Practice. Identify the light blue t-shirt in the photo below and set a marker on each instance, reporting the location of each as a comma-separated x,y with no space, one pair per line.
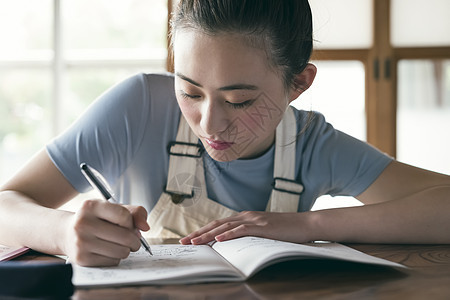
124,134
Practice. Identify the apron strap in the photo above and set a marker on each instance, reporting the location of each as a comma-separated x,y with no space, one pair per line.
184,156
286,191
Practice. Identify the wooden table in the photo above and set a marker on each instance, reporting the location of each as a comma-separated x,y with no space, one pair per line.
428,277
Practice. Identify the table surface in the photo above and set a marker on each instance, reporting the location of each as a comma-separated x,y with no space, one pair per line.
427,276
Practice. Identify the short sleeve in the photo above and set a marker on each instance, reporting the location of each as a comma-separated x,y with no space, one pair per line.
335,163
106,136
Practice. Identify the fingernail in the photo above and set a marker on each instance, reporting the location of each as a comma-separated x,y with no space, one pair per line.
196,240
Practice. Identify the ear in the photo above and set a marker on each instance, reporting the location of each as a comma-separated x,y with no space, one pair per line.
303,81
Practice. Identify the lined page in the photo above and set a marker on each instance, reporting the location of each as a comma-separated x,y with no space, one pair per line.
250,254
169,264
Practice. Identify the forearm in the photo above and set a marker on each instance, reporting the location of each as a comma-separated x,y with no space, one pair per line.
23,222
419,218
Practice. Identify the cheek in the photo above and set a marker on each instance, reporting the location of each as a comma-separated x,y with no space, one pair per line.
264,115
190,112
248,124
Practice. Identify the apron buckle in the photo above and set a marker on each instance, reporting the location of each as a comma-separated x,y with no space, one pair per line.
287,186
178,198
184,149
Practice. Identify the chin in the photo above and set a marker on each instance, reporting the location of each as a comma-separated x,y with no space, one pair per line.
222,156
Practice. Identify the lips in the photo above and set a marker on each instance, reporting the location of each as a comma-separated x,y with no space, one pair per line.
218,145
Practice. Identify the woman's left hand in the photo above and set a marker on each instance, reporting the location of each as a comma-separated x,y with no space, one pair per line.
291,227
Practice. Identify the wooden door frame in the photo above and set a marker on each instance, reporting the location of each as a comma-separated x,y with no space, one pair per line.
380,62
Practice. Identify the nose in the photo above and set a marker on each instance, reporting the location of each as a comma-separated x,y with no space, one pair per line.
213,118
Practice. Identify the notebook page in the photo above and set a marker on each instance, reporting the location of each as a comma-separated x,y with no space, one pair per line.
169,264
250,254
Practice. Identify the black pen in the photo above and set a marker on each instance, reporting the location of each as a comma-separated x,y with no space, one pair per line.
98,182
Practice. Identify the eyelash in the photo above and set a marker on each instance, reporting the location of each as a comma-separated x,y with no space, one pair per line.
187,96
241,105
233,105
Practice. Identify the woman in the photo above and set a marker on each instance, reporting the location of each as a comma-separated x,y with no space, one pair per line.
216,152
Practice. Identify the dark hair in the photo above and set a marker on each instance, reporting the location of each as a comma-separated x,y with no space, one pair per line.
282,27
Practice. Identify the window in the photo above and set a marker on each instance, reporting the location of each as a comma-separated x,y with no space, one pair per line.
57,56
408,53
394,53
423,113
338,93
423,82
339,90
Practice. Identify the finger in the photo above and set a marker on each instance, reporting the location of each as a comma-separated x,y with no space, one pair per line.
103,261
139,215
239,231
113,213
210,235
91,248
117,235
95,260
242,224
109,249
202,231
207,228
89,223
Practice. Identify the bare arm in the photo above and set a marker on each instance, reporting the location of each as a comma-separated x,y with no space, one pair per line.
26,202
100,233
404,205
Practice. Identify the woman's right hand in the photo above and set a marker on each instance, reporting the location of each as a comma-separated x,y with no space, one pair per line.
101,233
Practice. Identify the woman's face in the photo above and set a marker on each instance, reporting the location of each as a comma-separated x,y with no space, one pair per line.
230,96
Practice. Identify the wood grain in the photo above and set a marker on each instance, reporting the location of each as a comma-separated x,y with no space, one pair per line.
427,277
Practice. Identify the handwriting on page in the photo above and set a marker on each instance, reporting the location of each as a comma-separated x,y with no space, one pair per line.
4,249
167,261
162,261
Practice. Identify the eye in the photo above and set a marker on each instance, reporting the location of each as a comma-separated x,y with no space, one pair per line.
241,104
188,96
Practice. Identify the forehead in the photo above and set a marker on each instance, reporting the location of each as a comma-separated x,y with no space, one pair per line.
218,56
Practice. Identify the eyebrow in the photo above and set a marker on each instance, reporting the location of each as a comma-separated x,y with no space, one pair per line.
238,86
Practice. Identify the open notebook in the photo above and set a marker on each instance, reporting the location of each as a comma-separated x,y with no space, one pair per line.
234,260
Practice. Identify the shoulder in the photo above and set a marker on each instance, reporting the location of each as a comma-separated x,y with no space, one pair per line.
139,97
145,85
160,89
165,79
312,125
319,137
116,126
333,161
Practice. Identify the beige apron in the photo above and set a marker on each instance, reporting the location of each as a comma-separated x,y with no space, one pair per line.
184,206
